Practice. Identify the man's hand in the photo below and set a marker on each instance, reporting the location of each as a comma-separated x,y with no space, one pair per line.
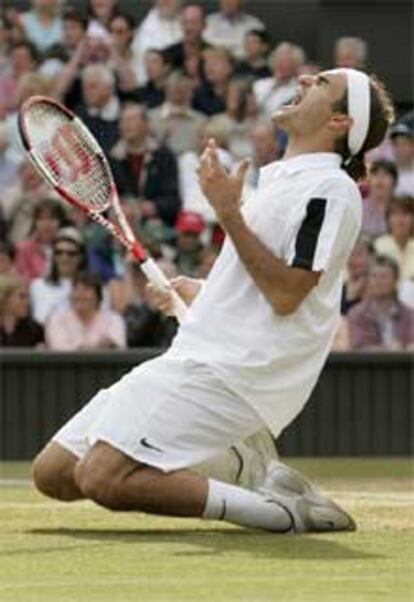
223,190
187,288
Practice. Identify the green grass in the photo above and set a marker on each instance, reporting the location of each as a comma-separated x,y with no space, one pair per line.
52,552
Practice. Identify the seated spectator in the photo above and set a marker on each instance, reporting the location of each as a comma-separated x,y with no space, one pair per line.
101,109
358,268
350,52
256,50
143,169
210,95
121,27
17,329
7,259
263,138
152,94
189,247
53,292
229,26
175,123
382,179
84,325
160,29
402,140
34,254
18,202
4,47
23,59
399,243
101,11
381,322
192,196
187,55
43,24
239,118
273,92
8,167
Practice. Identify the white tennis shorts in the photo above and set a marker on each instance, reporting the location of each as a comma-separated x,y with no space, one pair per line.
167,413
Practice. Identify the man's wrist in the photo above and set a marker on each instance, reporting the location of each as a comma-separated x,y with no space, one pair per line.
231,219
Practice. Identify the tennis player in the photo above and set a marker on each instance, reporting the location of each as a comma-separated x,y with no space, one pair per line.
256,336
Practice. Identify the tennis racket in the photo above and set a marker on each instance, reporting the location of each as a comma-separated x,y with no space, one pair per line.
70,159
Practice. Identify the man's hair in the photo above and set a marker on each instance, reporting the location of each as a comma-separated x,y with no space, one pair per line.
388,262
73,14
127,17
381,116
90,281
297,52
384,165
100,71
51,207
262,34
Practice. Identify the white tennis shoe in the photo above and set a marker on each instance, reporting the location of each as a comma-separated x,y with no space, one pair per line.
309,509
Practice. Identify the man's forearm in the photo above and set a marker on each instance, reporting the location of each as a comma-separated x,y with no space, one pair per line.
281,285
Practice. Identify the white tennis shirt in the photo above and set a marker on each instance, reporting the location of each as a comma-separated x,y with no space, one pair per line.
308,212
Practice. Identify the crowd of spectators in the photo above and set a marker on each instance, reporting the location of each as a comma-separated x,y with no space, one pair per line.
153,93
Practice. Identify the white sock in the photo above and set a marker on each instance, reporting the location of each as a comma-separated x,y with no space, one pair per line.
246,508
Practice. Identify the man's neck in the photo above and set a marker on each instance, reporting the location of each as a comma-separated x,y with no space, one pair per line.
402,241
303,145
136,147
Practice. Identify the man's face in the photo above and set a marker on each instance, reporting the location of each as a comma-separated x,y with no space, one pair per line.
285,65
229,7
382,283
381,183
359,261
217,69
401,223
311,108
254,47
192,23
84,300
264,144
179,93
46,227
21,60
403,150
188,242
155,66
96,92
133,127
167,8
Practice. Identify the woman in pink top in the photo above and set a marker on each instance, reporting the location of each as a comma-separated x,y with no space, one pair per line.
84,325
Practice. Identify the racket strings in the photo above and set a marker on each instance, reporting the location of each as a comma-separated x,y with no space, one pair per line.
69,156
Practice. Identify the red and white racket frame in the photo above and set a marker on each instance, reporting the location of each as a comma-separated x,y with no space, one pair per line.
123,232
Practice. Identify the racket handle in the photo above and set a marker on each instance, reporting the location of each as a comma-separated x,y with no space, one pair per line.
157,277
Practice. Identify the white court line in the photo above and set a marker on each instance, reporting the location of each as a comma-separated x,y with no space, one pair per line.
15,482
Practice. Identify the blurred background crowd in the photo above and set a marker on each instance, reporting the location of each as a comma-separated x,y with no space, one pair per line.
153,92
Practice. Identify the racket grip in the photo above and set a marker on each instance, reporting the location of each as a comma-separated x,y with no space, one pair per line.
157,277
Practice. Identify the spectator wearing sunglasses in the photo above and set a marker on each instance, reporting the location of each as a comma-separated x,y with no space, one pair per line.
68,261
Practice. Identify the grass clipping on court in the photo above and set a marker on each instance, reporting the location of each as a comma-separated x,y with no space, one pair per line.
52,551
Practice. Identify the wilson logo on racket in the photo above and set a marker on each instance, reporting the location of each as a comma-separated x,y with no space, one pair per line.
67,154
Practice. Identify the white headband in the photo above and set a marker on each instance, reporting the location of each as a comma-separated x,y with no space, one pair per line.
359,106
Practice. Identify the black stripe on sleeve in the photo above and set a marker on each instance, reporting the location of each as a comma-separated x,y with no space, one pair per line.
307,237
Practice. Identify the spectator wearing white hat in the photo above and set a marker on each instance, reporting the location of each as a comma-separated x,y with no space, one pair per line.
53,292
402,140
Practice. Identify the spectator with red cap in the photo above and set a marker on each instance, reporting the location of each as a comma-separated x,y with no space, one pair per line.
189,247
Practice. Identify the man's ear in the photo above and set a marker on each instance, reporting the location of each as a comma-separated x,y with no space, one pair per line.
340,123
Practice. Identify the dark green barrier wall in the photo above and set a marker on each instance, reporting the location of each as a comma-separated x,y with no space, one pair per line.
363,403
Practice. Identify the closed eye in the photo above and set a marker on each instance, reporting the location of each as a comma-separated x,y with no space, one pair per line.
322,80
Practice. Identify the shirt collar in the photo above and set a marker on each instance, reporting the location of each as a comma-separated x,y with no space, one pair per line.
303,162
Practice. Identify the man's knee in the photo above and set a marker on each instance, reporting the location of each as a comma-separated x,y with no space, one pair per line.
52,473
100,474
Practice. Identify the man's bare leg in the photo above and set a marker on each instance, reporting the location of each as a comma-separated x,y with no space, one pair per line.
53,473
117,482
